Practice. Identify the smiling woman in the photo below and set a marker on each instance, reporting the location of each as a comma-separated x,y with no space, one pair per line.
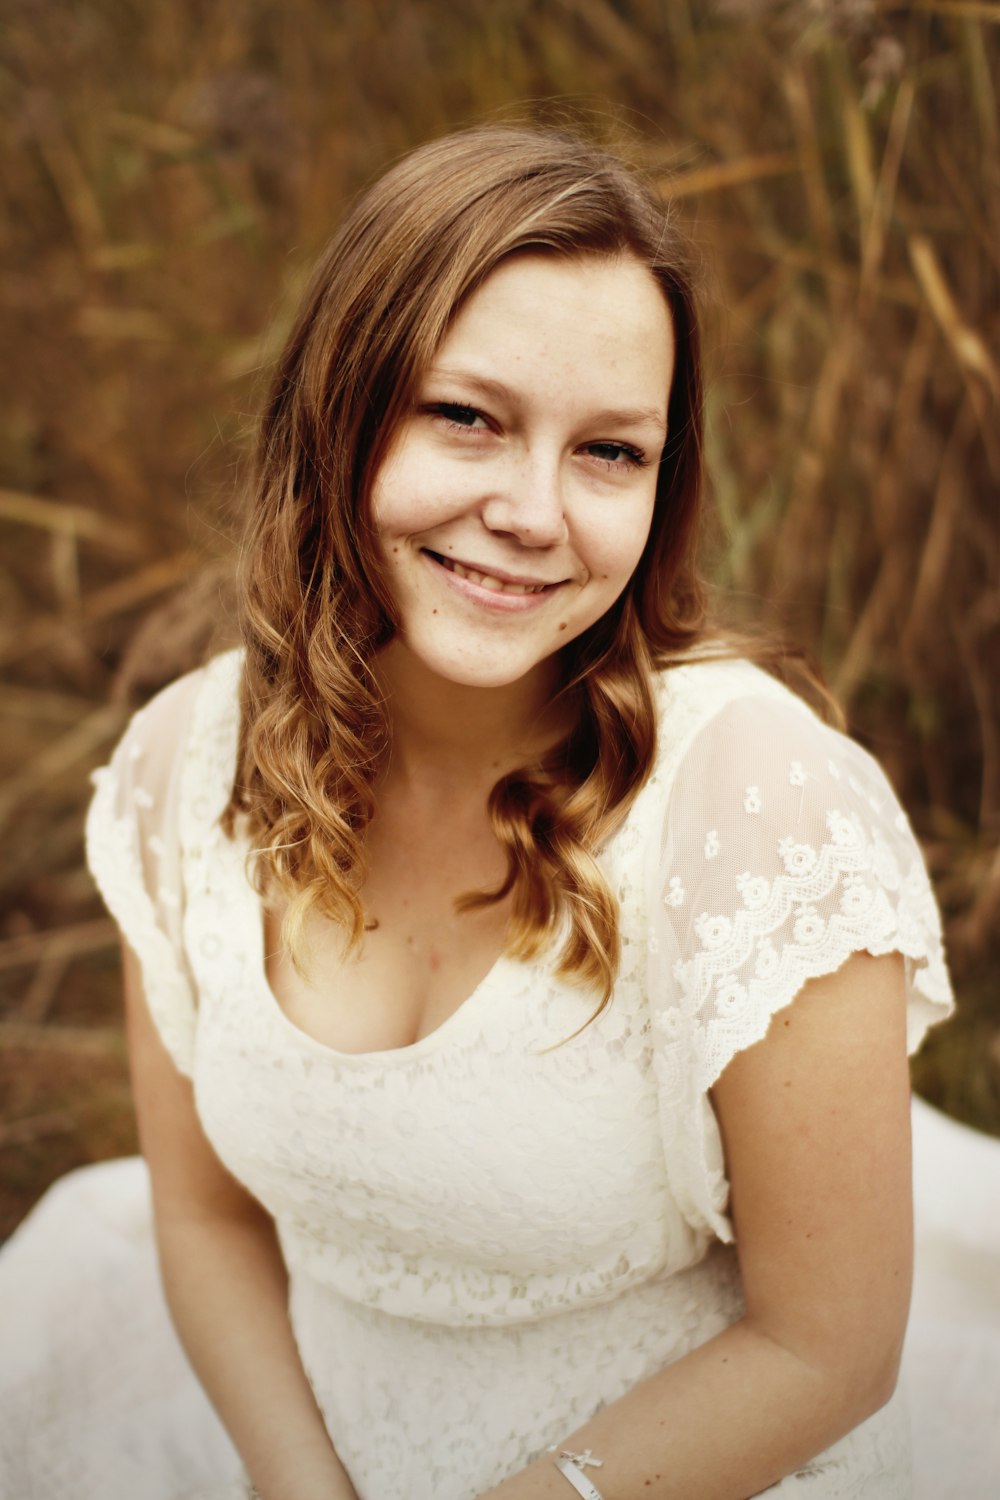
519,983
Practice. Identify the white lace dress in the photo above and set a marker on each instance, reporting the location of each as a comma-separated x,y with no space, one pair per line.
487,1240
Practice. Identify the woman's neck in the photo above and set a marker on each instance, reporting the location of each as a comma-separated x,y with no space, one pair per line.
464,737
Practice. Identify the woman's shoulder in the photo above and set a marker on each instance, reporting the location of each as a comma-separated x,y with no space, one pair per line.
191,724
739,750
710,679
206,697
212,687
165,785
713,695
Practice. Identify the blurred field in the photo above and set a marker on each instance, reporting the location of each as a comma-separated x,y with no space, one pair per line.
170,173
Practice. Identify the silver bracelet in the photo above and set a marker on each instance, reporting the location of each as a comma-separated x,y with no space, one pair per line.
572,1465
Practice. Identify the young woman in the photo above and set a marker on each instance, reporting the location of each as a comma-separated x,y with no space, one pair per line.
519,984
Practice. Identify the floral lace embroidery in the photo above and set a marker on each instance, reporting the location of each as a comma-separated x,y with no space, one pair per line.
796,774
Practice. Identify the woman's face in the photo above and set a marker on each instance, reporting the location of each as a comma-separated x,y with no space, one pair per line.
516,498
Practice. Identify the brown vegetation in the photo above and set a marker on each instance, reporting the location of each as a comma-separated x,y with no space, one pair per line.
172,170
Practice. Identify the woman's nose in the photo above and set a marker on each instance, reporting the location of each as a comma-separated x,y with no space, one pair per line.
530,506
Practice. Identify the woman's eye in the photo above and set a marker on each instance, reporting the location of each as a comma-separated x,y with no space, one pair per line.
618,455
458,416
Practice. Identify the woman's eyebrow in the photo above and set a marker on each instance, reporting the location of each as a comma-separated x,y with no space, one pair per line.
626,416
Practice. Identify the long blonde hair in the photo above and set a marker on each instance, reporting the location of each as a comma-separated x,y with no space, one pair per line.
314,607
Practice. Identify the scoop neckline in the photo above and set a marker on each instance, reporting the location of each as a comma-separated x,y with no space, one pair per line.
453,1022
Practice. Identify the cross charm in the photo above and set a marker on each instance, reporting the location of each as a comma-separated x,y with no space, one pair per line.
583,1460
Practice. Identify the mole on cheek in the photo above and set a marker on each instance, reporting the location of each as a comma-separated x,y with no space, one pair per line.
562,625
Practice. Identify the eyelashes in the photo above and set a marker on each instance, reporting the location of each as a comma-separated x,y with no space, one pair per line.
457,415
614,457
633,457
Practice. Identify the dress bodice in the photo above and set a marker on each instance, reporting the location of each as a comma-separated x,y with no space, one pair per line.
514,1198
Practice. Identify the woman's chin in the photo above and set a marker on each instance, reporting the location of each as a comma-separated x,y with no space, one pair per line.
462,670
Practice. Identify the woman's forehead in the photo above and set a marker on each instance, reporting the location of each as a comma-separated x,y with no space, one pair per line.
590,325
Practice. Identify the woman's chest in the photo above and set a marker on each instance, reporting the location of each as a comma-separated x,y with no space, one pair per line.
418,962
422,953
479,1146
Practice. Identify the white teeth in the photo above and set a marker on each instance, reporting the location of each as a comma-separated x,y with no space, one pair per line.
488,581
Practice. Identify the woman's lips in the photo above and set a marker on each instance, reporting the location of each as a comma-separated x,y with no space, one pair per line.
478,582
497,582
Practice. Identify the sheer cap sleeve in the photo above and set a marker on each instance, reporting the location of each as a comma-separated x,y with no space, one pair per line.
783,850
134,854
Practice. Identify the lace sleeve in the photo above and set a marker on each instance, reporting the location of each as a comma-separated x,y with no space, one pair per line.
783,851
133,850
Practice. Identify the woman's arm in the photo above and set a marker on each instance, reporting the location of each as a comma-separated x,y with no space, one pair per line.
815,1122
225,1282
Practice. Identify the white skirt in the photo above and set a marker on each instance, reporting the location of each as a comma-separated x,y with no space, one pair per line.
97,1401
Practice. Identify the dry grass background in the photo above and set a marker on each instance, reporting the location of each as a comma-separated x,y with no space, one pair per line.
171,172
